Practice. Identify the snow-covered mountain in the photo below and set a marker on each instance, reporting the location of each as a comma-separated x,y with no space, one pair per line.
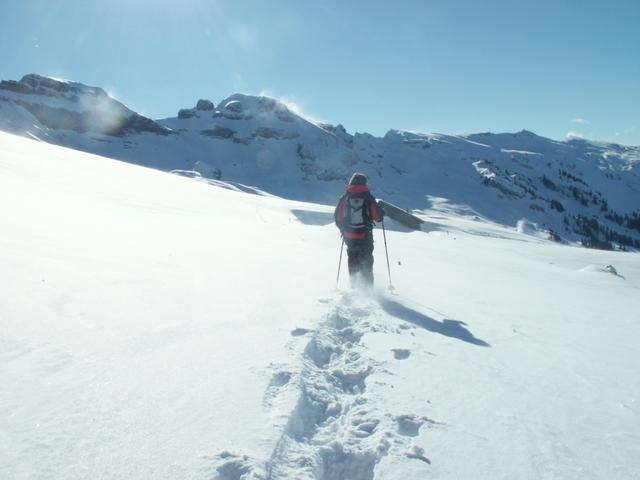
39,104
156,327
573,190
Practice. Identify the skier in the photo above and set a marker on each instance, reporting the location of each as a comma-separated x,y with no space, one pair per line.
354,215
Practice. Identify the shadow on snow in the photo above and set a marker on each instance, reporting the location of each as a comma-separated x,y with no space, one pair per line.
309,217
448,328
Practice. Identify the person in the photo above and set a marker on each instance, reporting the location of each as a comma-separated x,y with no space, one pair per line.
354,215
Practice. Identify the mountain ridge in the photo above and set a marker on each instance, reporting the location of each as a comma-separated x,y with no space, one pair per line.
575,190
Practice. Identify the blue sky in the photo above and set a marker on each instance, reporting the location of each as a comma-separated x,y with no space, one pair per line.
463,66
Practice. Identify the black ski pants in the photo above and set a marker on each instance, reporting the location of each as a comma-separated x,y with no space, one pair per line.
360,253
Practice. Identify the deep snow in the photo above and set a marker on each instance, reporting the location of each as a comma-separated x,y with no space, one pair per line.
153,326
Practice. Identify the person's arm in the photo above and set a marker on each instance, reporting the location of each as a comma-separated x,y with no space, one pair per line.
377,213
339,213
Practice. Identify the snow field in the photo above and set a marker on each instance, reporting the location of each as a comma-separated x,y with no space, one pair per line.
133,311
156,326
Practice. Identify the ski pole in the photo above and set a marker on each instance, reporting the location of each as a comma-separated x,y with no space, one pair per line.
339,263
386,251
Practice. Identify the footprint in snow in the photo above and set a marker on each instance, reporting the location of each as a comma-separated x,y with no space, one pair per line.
417,453
401,353
277,385
233,466
364,428
409,425
298,332
280,379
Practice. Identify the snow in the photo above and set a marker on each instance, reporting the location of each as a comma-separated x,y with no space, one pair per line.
157,326
585,192
521,152
125,326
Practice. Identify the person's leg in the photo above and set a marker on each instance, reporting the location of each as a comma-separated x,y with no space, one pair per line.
367,260
356,259
353,254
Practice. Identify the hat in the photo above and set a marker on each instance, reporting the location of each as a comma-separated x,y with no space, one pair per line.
358,179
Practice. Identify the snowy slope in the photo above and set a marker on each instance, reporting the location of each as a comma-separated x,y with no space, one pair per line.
153,326
575,190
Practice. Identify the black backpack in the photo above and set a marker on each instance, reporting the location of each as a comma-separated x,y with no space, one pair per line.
357,216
